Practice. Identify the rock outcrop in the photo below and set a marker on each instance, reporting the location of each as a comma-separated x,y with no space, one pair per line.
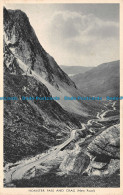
22,42
106,144
101,157
75,163
31,126
104,152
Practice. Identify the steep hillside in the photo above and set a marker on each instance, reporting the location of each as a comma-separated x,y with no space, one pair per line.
21,40
30,127
103,80
59,137
73,70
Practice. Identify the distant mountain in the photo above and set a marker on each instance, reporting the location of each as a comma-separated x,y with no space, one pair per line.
103,80
73,70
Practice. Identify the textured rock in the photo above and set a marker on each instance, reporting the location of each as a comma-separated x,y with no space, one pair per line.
113,166
106,144
31,127
22,41
104,151
10,63
98,165
75,163
103,169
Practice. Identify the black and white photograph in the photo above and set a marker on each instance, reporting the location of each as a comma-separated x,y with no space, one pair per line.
61,95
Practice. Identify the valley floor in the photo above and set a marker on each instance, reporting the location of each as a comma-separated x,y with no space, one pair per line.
21,175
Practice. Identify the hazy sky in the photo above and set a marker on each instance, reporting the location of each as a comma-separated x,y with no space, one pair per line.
76,34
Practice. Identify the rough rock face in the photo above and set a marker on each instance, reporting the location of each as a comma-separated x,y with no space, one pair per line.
10,63
75,163
102,169
100,158
21,39
106,144
104,152
23,43
30,127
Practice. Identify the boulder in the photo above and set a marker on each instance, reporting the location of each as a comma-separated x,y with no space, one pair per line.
74,164
113,166
106,145
100,169
104,152
98,165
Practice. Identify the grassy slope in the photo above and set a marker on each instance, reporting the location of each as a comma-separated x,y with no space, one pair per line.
101,80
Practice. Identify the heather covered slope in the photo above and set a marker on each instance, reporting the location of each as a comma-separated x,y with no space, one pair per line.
102,80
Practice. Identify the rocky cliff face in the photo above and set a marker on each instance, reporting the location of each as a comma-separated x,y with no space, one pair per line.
107,143
10,63
22,42
104,151
101,157
21,39
30,127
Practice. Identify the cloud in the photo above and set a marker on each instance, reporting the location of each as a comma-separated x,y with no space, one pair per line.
71,24
103,29
77,39
76,34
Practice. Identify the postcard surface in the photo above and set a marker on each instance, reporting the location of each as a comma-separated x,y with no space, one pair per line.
61,97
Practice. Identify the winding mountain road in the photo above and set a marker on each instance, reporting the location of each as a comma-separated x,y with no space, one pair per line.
19,171
22,169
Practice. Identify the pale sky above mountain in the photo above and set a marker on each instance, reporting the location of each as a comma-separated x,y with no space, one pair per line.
76,34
